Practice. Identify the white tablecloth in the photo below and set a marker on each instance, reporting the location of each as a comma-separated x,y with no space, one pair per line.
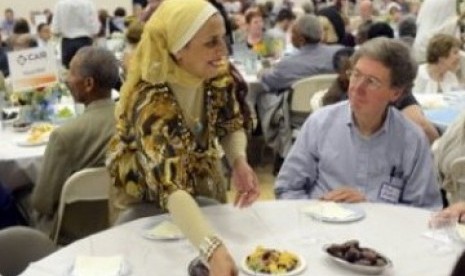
19,166
395,231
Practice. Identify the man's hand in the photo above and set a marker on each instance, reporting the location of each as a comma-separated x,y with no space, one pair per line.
221,263
246,183
344,194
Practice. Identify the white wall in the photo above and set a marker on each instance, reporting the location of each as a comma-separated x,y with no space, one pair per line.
22,8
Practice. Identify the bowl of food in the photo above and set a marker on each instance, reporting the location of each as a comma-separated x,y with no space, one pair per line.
359,259
269,261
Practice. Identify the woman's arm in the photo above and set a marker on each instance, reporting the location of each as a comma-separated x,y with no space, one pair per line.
189,218
414,113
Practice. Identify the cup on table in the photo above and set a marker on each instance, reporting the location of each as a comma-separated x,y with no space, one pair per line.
443,233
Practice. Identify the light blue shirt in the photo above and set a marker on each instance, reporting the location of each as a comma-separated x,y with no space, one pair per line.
393,165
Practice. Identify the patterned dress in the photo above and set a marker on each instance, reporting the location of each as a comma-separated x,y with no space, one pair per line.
155,153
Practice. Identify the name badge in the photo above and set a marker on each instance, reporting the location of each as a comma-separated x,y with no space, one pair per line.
389,193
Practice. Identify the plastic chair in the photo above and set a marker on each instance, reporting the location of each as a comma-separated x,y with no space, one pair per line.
20,246
457,172
87,185
302,92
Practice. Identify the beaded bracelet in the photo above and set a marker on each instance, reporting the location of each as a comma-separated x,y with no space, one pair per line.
208,246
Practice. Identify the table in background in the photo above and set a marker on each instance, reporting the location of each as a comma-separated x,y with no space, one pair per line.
442,117
19,166
393,230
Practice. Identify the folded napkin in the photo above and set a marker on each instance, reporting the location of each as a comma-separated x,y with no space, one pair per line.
328,210
98,266
165,229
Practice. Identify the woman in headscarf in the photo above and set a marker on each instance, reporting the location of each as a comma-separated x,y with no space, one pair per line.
333,25
434,17
179,100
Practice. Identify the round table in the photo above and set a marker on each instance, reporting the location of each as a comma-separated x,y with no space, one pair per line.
19,165
394,230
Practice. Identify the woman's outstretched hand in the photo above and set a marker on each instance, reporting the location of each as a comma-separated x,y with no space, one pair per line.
221,263
246,183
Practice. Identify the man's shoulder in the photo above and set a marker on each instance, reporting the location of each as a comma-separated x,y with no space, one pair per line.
327,115
404,128
331,48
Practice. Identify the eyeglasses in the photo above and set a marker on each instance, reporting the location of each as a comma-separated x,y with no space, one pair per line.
370,82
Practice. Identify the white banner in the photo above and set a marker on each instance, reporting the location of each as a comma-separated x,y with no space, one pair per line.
32,68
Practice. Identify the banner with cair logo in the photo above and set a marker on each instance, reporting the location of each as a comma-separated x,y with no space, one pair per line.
32,68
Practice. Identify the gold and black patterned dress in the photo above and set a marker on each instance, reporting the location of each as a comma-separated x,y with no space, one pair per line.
155,153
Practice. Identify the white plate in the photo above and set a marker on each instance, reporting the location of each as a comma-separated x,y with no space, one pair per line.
351,212
365,269
165,230
297,271
26,143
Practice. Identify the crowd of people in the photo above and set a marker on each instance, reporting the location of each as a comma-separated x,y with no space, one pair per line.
182,111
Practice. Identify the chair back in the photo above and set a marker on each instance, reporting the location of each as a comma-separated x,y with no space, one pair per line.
85,186
302,93
457,172
20,246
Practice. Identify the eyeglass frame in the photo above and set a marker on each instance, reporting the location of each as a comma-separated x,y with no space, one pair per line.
371,83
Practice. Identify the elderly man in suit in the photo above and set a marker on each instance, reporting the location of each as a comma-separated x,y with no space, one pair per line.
82,142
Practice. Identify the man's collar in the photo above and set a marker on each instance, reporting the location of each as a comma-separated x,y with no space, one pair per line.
349,119
99,103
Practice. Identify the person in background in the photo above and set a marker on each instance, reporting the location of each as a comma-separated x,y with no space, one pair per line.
448,148
137,10
93,73
76,21
333,25
23,41
380,29
254,37
21,27
279,33
438,75
49,15
103,18
434,17
179,100
4,66
8,23
133,35
394,17
44,34
312,58
338,90
408,30
151,7
365,9
363,149
117,21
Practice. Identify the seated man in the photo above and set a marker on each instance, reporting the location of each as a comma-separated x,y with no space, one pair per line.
82,142
312,58
363,149
407,103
